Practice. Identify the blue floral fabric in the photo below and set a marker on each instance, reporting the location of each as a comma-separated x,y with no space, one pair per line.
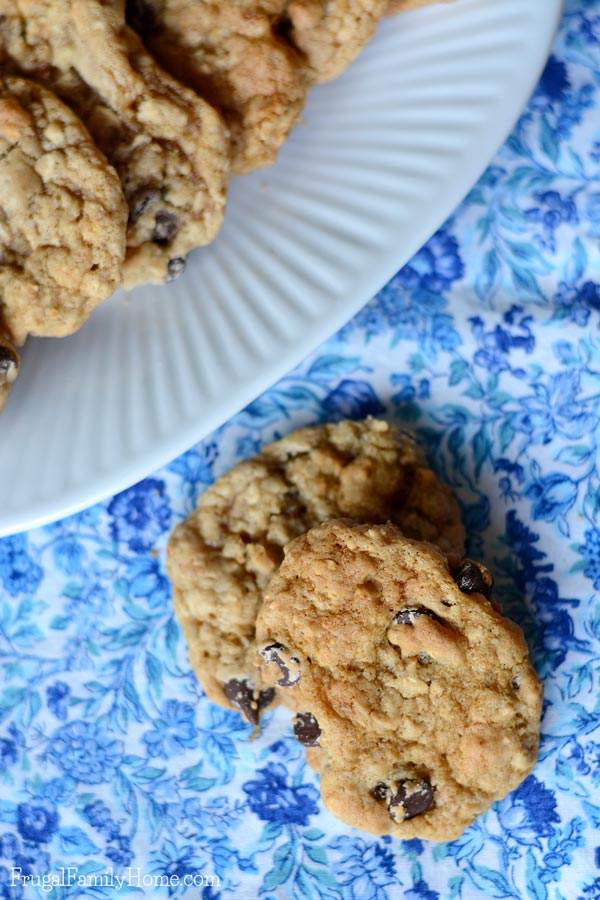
488,344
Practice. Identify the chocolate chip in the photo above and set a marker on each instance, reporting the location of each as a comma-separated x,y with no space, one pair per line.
408,614
248,700
471,578
516,682
292,505
141,15
412,798
175,267
140,201
165,227
306,729
380,791
9,363
288,663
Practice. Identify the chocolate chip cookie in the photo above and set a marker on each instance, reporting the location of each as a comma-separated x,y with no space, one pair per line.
229,51
62,220
331,33
168,145
221,559
415,694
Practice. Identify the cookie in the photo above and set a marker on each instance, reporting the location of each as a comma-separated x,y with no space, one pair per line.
221,559
416,696
168,145
331,33
399,6
230,53
62,217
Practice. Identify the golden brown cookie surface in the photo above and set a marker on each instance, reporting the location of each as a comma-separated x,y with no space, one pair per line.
416,696
331,33
230,52
221,558
168,145
62,218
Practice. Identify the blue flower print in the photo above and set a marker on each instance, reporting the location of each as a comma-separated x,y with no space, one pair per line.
148,581
576,302
365,868
196,466
591,554
435,267
591,891
69,555
9,846
57,695
8,891
174,731
140,515
37,821
86,751
352,400
585,759
99,817
495,345
8,752
553,495
529,812
173,860
33,860
19,574
421,891
561,105
119,851
556,408
551,211
554,82
274,799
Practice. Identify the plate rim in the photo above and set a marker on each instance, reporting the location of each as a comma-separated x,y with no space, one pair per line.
384,266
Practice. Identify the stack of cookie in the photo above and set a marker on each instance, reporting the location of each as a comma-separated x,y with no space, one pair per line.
119,126
328,574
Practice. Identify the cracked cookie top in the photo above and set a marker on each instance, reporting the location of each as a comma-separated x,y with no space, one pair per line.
416,695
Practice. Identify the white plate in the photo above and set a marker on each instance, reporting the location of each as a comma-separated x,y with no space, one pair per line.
383,156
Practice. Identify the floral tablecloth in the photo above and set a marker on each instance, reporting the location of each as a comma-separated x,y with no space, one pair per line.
118,776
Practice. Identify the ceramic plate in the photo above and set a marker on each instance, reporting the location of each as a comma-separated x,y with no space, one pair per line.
383,155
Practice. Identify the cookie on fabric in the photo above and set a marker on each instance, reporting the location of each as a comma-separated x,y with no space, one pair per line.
62,220
230,52
221,558
416,696
168,145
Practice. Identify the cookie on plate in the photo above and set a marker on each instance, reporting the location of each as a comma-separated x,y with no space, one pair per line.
222,557
331,33
419,695
230,52
168,145
62,218
399,6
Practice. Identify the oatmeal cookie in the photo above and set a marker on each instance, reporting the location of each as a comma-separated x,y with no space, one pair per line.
331,33
222,557
62,219
168,145
417,693
399,6
230,52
